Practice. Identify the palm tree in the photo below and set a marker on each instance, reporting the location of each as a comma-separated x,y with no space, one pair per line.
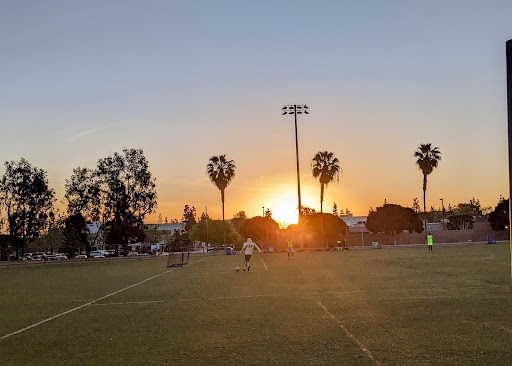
428,159
221,172
325,166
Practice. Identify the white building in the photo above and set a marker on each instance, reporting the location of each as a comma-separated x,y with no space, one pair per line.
95,226
356,224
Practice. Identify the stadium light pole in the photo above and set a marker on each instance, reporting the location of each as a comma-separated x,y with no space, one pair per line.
509,105
442,205
296,109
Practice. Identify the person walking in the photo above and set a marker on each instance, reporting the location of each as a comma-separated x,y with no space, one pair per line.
290,249
430,241
249,246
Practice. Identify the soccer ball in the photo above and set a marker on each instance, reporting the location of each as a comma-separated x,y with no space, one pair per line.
237,268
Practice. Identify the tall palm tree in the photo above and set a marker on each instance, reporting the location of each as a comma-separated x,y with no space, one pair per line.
221,172
325,166
428,159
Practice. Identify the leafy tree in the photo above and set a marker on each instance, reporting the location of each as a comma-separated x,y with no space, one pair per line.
178,241
82,193
127,196
221,172
27,200
238,220
393,219
83,196
75,234
428,159
127,187
123,233
216,231
306,213
416,205
268,213
330,227
258,227
5,245
460,222
189,216
472,208
152,235
52,240
499,218
325,166
204,217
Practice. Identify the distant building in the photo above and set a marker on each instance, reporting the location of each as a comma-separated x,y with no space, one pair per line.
175,226
355,224
95,226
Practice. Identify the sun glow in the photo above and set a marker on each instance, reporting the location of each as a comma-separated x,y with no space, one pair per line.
284,208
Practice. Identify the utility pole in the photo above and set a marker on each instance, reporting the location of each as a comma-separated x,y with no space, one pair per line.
297,109
509,104
206,214
442,205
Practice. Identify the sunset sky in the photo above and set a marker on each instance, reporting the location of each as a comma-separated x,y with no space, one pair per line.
185,80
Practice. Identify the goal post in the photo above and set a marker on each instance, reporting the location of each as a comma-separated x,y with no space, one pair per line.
177,259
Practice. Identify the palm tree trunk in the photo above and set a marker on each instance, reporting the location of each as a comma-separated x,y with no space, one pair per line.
321,197
424,202
424,191
223,228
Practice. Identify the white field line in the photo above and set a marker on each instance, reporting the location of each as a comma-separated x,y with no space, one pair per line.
264,265
132,302
361,345
83,300
267,295
190,299
87,304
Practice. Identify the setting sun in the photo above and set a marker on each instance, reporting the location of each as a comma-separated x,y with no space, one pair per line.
284,207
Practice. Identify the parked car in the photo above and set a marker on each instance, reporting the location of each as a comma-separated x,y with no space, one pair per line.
38,256
97,254
81,256
110,252
56,257
130,254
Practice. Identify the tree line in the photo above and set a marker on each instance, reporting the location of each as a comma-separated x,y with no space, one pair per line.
120,192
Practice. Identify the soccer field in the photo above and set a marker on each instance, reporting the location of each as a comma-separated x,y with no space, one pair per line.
400,306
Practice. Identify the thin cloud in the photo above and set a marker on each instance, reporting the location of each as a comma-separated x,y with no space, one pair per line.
88,132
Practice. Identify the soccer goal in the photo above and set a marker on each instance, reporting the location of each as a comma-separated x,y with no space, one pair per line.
177,259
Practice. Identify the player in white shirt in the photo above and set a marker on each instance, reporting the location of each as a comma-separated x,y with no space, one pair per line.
249,246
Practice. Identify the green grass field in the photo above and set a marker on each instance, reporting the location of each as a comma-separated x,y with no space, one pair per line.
404,306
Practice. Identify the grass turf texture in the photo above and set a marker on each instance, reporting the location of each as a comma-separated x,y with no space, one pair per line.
402,306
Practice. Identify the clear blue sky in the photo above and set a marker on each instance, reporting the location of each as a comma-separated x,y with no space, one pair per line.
190,79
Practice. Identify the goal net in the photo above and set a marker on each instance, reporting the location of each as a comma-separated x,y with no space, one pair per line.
177,259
